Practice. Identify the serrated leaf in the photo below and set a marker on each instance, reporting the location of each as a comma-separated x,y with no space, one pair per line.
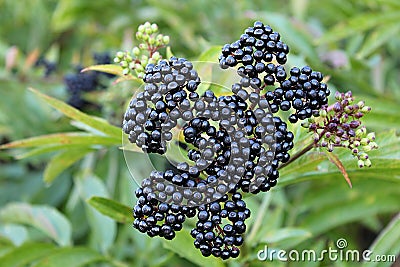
387,243
71,138
73,113
112,209
44,218
62,161
26,254
70,257
182,245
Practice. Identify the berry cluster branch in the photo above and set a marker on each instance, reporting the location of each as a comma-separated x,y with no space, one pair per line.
340,125
249,143
145,53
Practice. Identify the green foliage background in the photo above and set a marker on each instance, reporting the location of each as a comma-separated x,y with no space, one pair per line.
78,215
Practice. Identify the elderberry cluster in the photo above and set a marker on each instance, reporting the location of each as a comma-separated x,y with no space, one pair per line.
49,66
260,55
234,143
170,87
78,83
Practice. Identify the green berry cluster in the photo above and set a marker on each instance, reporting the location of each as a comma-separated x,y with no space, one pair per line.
339,125
135,61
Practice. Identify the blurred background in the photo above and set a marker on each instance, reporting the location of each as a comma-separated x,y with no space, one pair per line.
43,43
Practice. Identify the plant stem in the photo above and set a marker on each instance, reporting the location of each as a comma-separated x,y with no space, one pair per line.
298,155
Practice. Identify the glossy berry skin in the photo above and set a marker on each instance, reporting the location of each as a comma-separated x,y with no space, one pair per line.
153,113
235,143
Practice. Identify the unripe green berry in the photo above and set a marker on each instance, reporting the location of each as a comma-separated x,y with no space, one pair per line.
141,28
368,163
338,96
373,145
305,124
364,141
165,40
360,132
139,67
360,163
154,28
367,148
120,55
323,113
136,51
145,37
371,136
139,35
156,56
128,58
117,60
125,71
366,109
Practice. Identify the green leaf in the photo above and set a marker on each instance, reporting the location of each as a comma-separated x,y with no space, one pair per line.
112,209
335,160
286,237
387,243
70,257
108,68
73,113
378,38
210,55
103,228
360,23
46,149
62,161
385,163
336,204
46,219
71,138
182,245
16,233
26,254
168,52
